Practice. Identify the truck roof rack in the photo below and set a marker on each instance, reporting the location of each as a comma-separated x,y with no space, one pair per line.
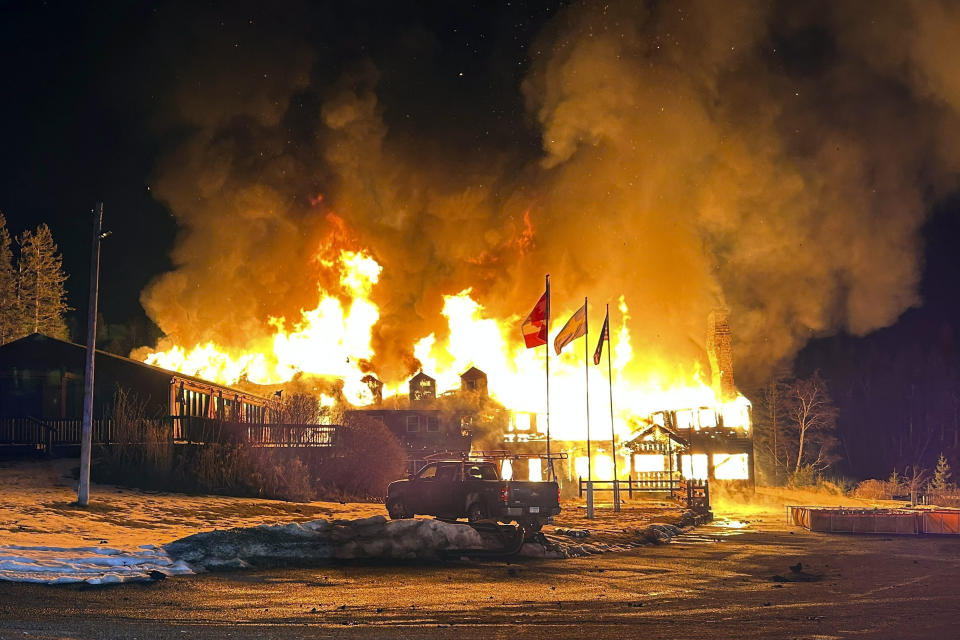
496,454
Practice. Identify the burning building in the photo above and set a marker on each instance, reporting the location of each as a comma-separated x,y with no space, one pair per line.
424,424
706,441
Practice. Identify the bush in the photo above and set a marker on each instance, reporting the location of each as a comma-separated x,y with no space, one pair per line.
368,458
874,490
141,448
805,476
243,471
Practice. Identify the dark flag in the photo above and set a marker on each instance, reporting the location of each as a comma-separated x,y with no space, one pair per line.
604,335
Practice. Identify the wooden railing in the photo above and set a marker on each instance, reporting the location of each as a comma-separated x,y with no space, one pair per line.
695,493
204,430
44,434
47,433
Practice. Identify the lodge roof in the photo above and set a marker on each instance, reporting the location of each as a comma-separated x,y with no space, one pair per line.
41,341
473,372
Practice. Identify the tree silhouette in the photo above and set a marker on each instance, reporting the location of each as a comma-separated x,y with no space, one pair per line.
9,307
42,296
812,423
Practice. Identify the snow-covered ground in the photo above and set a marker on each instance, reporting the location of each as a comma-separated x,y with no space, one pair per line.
125,534
46,537
93,565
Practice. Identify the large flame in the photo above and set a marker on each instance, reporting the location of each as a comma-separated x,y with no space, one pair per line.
334,339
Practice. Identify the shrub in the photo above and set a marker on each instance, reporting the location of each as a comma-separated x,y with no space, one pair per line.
874,490
142,448
805,476
368,458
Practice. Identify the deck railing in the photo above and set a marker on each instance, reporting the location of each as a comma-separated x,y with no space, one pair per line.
695,493
45,434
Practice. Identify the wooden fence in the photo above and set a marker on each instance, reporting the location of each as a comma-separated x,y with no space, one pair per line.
695,493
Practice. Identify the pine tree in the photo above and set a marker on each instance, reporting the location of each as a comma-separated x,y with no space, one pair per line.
9,310
941,475
40,288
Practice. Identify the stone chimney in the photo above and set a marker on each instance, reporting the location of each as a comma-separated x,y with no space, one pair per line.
720,353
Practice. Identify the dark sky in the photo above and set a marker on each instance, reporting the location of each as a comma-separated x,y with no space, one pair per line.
83,120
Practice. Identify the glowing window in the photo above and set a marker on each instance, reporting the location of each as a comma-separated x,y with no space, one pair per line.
694,466
708,418
533,464
521,421
506,471
603,468
731,466
736,416
686,419
649,462
580,466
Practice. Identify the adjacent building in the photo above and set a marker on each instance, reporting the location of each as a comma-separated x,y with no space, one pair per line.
41,384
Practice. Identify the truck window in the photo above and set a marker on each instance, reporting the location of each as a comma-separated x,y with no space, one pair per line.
482,472
448,472
428,472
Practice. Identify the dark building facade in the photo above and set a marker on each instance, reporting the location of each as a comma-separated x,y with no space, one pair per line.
41,378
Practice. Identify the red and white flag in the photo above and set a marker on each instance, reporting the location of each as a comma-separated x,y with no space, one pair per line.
535,326
604,335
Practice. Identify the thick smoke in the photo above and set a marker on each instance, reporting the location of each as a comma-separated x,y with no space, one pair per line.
777,159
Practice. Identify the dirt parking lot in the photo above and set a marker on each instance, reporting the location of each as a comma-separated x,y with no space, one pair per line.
731,579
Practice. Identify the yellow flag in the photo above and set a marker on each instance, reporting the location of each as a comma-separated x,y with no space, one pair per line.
576,327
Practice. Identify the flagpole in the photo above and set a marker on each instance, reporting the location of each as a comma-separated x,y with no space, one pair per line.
613,432
551,476
586,371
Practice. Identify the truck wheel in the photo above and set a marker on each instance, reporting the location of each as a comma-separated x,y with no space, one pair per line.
476,512
396,509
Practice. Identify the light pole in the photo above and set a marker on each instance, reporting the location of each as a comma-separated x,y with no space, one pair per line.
86,428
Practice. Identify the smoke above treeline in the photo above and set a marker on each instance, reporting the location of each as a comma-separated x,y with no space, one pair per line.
774,158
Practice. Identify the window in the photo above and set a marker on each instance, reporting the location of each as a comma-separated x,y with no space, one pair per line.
433,424
687,419
413,424
482,472
708,418
449,472
428,472
731,466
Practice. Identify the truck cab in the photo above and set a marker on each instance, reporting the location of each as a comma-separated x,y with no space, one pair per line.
472,489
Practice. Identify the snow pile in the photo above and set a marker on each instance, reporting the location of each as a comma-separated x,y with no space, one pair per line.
321,540
91,565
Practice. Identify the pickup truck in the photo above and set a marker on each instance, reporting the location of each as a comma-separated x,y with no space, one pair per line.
451,489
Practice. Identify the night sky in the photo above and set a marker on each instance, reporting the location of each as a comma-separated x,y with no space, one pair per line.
86,116
83,120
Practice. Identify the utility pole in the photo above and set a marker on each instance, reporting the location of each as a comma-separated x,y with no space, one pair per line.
86,428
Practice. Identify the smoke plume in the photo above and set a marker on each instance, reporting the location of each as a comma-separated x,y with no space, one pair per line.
777,159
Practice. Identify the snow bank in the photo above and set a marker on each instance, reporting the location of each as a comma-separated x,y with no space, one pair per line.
90,565
321,540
